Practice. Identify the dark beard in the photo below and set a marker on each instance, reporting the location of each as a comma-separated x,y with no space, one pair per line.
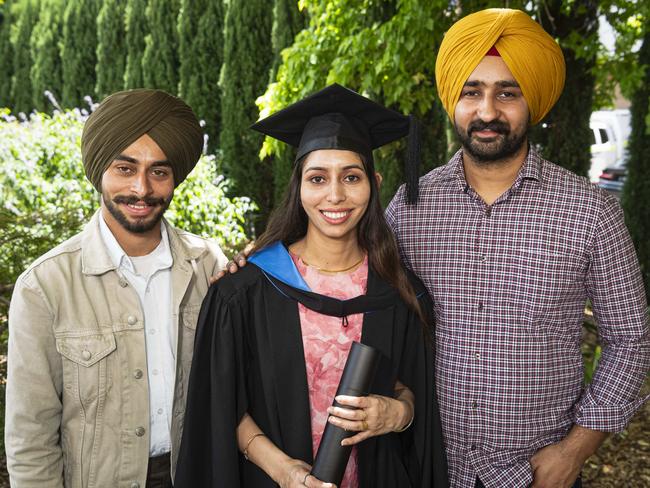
140,226
490,152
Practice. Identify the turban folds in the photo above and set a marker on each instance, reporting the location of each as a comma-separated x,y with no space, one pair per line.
125,116
533,57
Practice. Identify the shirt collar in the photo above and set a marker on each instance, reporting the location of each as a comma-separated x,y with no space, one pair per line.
122,261
531,169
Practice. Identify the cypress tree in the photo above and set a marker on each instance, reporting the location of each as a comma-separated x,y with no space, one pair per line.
636,192
111,57
572,111
44,44
287,22
6,55
200,29
21,84
79,51
135,26
160,60
247,60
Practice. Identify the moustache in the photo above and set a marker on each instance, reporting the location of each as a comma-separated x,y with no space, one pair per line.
132,200
494,126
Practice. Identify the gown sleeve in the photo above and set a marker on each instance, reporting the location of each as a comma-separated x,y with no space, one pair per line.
216,398
425,435
414,458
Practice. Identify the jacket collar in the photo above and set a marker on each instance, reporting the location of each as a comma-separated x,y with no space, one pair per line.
96,258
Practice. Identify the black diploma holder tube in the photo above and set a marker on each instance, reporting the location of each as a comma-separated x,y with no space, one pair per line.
358,375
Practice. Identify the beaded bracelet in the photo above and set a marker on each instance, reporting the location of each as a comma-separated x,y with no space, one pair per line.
251,439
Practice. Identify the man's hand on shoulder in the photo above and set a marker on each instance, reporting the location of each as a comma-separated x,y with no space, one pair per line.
239,261
558,465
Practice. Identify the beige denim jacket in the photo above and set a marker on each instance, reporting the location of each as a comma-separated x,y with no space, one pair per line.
77,411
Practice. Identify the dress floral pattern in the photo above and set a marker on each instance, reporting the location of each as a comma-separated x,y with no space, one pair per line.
326,342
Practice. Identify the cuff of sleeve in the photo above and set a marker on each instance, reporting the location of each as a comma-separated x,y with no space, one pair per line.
606,418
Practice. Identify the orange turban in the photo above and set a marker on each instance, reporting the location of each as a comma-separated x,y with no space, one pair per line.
533,57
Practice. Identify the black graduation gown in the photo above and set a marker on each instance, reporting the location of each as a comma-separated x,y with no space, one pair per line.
248,357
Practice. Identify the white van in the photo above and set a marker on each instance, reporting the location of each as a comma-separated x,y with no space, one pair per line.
611,130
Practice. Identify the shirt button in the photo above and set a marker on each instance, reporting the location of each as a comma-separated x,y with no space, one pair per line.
155,372
477,355
160,411
482,258
86,355
152,331
474,405
139,431
480,306
135,484
472,447
137,374
123,283
488,211
132,320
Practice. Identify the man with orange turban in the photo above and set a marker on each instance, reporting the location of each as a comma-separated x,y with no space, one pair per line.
510,247
101,328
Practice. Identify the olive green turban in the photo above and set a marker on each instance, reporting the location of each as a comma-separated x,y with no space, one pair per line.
533,57
125,116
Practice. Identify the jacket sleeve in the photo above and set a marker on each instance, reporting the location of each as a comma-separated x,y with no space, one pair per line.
33,395
615,289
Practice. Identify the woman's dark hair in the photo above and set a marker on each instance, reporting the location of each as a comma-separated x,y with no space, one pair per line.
288,224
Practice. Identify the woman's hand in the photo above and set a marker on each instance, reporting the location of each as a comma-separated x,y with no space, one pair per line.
373,415
296,475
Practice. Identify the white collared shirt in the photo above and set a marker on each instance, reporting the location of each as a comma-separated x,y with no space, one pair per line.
150,276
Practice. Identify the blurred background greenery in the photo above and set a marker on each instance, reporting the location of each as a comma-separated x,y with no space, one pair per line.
234,61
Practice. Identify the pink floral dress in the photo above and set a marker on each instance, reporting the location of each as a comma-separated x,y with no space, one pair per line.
326,342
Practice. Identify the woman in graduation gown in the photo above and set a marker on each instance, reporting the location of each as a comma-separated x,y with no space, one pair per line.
272,339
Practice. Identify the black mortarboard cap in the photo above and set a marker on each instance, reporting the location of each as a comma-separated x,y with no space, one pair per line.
339,118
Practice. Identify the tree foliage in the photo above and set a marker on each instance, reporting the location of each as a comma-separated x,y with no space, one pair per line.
135,26
79,51
244,76
21,84
620,66
46,74
111,48
160,59
385,50
288,21
576,26
6,55
636,193
200,28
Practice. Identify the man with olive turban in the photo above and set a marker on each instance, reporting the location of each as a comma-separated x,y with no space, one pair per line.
102,326
510,247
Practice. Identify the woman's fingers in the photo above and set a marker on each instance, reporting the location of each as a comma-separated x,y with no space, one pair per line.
354,401
300,476
356,438
312,482
348,413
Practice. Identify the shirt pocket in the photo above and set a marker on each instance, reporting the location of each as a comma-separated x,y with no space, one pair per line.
189,318
86,373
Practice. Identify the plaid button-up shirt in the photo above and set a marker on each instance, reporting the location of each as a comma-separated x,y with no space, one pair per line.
509,283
